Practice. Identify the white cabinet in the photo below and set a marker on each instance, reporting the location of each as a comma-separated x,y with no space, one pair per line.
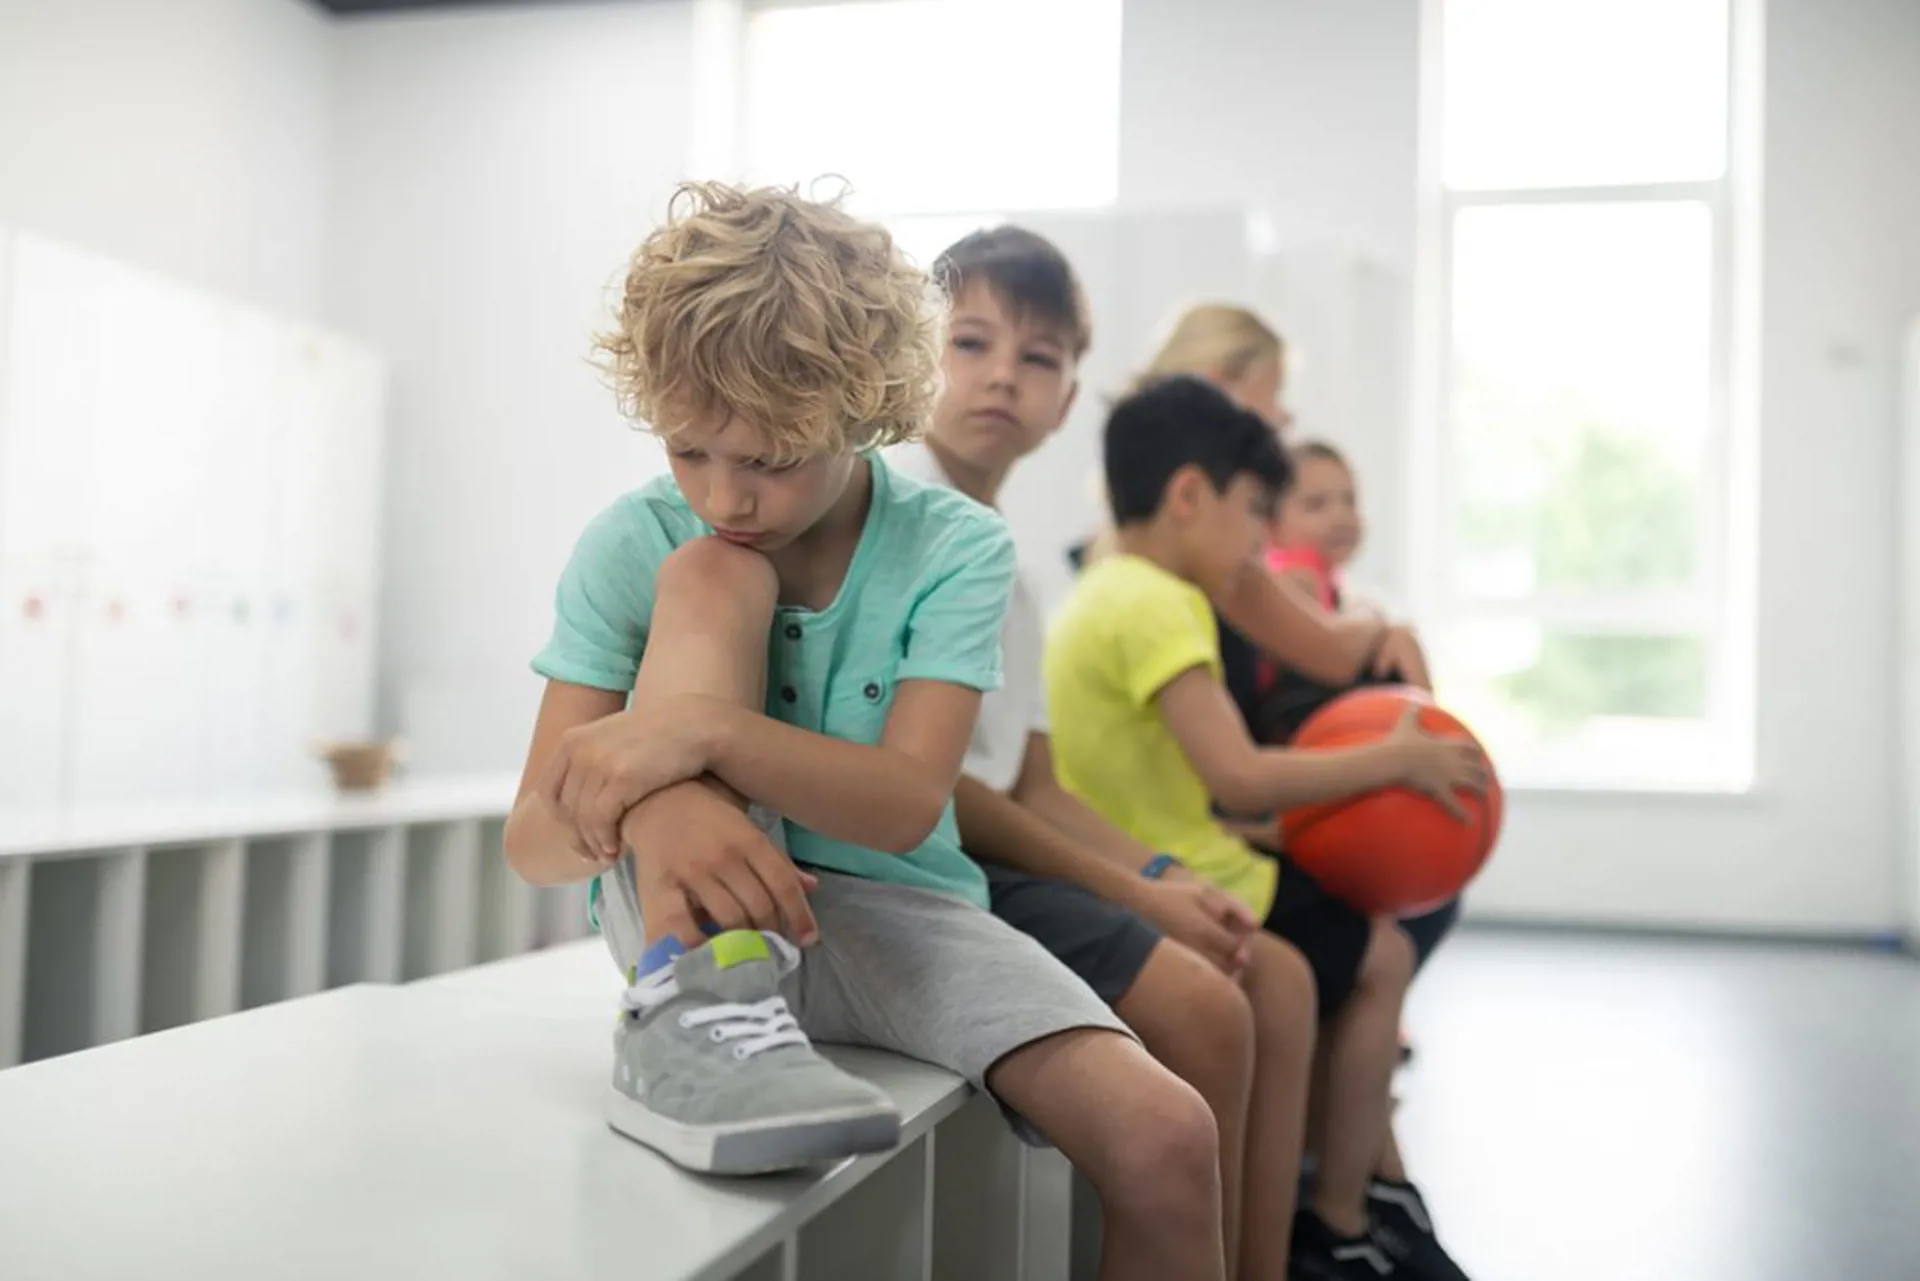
189,491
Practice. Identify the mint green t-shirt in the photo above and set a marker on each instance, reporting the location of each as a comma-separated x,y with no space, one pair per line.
923,599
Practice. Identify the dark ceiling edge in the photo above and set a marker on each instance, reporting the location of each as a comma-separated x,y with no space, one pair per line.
369,8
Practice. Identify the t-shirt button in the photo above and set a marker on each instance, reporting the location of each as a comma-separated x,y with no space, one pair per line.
872,691
789,694
793,631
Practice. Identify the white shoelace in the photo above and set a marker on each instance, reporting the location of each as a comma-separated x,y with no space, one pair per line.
756,1027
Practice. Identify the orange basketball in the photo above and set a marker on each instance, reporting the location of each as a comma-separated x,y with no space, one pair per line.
1391,852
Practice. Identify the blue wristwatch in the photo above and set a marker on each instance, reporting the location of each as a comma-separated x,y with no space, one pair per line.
1156,867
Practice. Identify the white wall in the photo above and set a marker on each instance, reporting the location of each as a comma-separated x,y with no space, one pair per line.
187,136
1307,113
492,170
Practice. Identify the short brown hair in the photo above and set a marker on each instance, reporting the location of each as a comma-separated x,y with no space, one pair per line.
778,309
1029,273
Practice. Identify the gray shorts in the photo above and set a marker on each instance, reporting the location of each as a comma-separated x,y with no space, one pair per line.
907,970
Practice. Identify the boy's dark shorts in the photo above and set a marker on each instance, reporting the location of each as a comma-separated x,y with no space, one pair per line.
1329,934
1105,944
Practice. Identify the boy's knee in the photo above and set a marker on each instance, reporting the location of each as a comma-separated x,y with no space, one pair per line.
1164,1159
1210,1015
1281,981
716,568
1389,959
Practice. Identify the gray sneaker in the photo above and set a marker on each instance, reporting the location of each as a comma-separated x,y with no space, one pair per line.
712,1072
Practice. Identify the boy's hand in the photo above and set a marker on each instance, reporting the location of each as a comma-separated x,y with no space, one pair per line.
697,856
604,768
1399,655
1437,767
1204,917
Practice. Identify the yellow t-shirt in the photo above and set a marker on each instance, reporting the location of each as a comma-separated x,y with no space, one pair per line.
1129,628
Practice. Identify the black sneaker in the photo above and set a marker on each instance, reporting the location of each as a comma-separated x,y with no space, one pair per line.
1321,1254
1404,1229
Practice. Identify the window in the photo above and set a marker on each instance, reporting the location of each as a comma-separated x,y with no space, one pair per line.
1579,568
889,95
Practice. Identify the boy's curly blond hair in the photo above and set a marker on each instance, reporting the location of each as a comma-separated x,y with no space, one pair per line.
780,310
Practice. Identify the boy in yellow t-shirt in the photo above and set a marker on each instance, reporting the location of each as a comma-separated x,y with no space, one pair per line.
1145,733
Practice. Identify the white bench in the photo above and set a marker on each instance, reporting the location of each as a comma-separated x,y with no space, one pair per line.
452,1129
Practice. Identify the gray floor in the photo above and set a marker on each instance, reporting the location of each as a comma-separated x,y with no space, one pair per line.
1619,1109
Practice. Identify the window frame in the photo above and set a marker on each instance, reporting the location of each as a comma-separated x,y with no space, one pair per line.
1717,609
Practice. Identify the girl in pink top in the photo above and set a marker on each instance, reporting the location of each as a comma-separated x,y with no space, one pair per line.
1317,528
1315,531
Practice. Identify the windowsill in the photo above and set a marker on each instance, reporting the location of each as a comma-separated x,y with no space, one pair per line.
1634,790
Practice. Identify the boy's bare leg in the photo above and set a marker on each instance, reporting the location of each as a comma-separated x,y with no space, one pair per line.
1285,1015
712,614
1145,1139
1391,1166
1196,1021
1354,1075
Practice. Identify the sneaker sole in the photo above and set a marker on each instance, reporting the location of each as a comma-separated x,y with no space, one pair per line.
757,1147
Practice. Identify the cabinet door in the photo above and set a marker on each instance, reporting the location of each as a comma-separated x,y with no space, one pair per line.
238,487
343,656
348,496
137,732
233,547
159,378
287,732
144,624
351,402
56,327
38,610
231,669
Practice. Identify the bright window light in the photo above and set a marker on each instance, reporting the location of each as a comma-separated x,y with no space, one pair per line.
1544,93
927,106
1581,380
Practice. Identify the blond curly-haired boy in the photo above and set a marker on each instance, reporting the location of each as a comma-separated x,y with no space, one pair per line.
764,671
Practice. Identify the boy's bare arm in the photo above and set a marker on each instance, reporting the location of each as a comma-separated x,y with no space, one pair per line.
1038,788
1002,830
1292,629
1288,625
542,847
886,797
1253,779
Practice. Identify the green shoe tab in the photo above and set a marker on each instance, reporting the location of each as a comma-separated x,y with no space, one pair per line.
736,947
